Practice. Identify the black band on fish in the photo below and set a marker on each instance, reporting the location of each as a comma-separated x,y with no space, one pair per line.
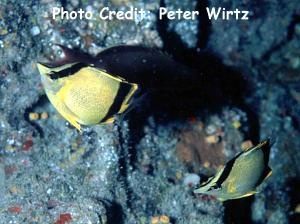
225,173
123,91
67,71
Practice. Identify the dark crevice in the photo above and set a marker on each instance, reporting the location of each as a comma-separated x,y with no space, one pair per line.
292,27
204,25
90,137
290,35
38,129
136,122
114,211
294,185
238,211
174,45
63,3
170,38
253,131
124,166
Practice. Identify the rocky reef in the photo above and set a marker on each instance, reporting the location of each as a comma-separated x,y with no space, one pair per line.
144,167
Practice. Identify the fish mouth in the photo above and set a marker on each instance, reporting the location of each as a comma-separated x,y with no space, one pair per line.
45,72
43,68
200,191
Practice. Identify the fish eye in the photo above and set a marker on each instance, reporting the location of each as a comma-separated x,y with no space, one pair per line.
214,187
53,75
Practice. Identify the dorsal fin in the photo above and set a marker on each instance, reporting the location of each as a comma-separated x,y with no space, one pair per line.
264,144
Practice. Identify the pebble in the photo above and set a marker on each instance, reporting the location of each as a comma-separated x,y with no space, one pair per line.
15,209
191,179
27,145
35,31
210,129
13,190
236,124
162,219
212,139
44,115
246,144
33,116
64,218
3,32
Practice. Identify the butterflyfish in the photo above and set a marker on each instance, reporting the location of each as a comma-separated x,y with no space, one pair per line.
240,176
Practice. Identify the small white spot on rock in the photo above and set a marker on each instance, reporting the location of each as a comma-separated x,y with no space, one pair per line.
191,179
35,31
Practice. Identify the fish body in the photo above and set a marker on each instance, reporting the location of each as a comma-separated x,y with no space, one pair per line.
148,67
88,90
241,175
85,95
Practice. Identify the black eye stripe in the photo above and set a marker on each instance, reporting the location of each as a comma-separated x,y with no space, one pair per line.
68,71
225,172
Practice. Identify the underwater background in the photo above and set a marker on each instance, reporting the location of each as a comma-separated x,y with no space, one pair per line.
144,168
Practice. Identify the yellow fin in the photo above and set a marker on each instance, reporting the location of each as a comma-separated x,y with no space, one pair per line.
109,121
242,196
249,194
221,199
71,119
269,174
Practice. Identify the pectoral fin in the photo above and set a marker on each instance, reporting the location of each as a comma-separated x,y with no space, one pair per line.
269,173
